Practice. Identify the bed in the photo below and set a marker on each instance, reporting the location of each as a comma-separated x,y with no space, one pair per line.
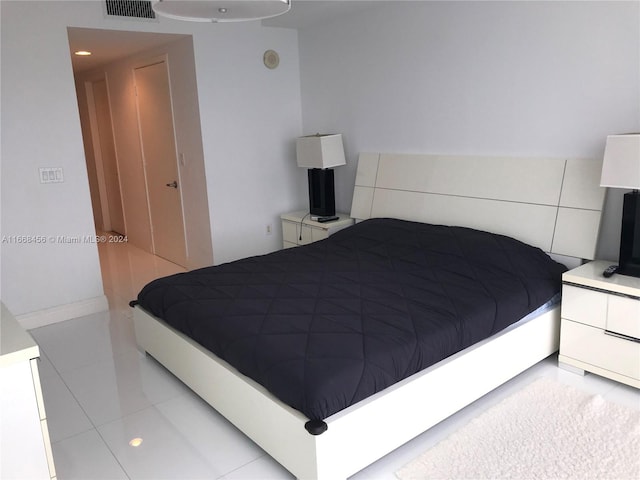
417,203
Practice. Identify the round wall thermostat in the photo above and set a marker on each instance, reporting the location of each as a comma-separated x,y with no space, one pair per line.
271,59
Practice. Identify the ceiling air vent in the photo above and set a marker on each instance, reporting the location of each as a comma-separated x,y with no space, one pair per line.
130,8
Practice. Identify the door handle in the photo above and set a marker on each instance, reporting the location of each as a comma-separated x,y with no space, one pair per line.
173,184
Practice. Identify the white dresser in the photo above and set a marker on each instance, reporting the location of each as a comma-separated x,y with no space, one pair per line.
600,328
25,447
299,229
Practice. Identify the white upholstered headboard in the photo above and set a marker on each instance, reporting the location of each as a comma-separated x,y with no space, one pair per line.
554,204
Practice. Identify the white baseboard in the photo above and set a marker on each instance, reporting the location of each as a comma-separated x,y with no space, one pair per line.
61,313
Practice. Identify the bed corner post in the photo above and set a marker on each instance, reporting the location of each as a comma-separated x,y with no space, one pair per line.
316,427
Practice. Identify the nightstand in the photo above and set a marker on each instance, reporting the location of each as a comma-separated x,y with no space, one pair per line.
296,223
600,326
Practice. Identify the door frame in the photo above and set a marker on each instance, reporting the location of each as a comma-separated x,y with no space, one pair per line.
97,152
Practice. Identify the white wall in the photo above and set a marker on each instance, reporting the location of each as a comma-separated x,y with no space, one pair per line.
249,117
496,78
40,128
252,118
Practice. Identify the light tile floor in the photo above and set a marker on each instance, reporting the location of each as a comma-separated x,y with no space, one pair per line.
100,392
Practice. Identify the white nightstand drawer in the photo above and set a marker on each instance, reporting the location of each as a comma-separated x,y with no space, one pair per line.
290,232
624,316
306,237
317,234
593,346
584,306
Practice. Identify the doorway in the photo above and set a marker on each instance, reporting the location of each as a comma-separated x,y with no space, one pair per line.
173,56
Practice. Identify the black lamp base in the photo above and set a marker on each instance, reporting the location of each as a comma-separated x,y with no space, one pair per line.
322,199
629,262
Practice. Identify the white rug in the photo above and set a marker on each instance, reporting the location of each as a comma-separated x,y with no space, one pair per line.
545,431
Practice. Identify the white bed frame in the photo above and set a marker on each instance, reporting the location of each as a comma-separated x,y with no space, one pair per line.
555,204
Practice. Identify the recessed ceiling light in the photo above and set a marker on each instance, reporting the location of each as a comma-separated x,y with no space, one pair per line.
82,53
135,442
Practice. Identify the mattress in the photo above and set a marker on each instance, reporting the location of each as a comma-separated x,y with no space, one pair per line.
326,325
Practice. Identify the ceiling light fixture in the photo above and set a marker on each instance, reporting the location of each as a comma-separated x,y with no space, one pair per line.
136,442
82,53
220,10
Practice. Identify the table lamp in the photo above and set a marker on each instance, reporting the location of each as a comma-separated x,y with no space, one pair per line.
621,169
320,153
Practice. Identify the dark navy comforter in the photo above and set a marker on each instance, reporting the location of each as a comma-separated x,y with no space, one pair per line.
328,324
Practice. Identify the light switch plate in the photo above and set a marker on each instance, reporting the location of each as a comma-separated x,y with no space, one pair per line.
51,175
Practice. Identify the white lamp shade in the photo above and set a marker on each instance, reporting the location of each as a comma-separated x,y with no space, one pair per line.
621,165
320,151
220,10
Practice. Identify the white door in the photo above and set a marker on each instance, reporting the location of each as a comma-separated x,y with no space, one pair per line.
114,219
155,119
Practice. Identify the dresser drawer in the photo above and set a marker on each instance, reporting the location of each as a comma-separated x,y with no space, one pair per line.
584,306
623,315
593,346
